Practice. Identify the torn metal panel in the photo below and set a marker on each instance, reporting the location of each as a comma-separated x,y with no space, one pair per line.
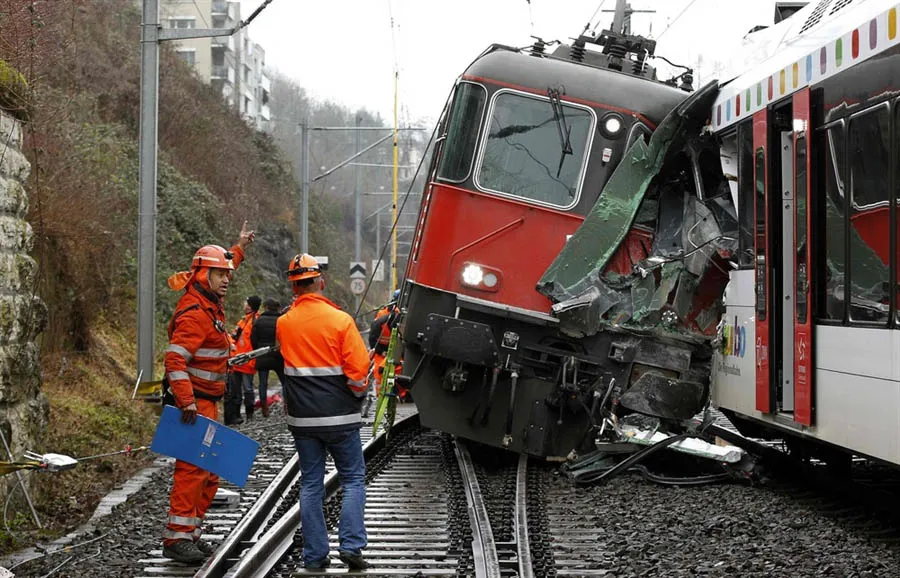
693,446
596,240
656,395
700,230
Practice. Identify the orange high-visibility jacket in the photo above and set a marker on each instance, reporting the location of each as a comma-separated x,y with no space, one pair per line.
380,330
199,345
243,345
325,365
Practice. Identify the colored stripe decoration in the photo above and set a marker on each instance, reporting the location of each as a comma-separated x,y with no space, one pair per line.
868,39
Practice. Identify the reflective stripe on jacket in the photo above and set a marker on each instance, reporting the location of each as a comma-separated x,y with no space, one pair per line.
325,365
199,347
243,344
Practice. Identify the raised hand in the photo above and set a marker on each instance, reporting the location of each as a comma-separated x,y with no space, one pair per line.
246,237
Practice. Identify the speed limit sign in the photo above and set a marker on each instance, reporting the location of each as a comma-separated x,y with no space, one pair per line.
357,286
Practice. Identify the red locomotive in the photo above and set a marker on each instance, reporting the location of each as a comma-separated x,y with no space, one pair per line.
525,146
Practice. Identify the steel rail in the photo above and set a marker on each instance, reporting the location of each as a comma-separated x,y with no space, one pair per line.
266,552
230,549
520,521
484,547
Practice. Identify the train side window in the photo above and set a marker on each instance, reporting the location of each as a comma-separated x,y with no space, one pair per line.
801,287
534,152
896,215
638,130
869,238
746,195
831,274
462,132
762,267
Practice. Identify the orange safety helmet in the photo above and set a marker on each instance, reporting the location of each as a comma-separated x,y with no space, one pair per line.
303,266
213,256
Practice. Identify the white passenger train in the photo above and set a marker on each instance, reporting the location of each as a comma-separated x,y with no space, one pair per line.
810,342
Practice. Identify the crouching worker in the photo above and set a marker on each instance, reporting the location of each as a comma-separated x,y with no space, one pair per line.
196,367
325,363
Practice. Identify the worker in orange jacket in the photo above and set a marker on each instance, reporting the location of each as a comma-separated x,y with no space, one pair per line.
325,365
385,320
196,367
240,384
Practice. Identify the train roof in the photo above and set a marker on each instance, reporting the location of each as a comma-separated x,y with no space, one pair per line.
819,41
504,65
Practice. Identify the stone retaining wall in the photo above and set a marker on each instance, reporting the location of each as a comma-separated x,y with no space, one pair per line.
24,410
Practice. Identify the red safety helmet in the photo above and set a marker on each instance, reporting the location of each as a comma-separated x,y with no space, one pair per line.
303,266
213,256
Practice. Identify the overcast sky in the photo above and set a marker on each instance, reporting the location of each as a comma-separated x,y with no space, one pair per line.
344,50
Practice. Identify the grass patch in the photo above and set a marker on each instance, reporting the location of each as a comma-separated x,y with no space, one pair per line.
91,412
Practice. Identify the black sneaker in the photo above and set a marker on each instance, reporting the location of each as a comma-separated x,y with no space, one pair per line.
183,551
318,564
205,547
355,561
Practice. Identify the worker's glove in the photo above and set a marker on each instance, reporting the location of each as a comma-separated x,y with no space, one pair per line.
189,413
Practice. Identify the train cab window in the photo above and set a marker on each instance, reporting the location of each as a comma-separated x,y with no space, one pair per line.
832,289
535,150
462,132
869,147
746,196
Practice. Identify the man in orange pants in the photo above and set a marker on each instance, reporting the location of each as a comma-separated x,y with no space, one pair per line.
196,368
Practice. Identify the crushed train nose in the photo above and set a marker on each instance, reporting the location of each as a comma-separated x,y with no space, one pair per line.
659,396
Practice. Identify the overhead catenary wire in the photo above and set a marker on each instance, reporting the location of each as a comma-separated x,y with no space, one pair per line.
597,11
672,23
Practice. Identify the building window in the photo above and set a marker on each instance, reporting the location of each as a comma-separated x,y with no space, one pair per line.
188,56
525,156
462,132
831,286
183,22
870,163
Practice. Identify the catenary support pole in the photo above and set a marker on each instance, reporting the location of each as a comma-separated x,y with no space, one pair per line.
356,192
146,294
304,188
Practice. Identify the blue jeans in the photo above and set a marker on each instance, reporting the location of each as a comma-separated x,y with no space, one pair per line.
264,381
346,449
247,387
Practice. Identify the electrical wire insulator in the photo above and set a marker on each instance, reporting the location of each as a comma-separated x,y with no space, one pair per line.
576,51
537,49
617,50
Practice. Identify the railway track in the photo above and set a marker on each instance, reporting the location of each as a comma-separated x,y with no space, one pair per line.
438,507
239,517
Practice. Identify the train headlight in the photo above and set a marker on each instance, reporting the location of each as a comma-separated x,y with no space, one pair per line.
481,277
473,275
612,125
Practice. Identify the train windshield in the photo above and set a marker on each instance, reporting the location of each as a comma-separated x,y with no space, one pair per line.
535,150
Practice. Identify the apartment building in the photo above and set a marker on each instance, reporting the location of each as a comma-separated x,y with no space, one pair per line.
233,65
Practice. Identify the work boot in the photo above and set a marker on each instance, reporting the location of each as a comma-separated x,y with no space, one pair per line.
265,408
205,547
355,561
249,410
183,551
